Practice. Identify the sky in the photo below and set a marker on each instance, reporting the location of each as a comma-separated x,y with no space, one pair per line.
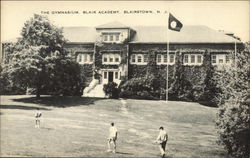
230,16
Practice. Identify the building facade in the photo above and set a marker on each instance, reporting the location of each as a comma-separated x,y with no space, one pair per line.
117,52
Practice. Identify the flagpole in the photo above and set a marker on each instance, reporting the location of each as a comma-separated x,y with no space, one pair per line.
167,57
235,50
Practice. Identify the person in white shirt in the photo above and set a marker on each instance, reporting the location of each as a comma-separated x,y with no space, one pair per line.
112,137
162,141
38,116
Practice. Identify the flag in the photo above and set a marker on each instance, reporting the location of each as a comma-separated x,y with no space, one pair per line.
173,23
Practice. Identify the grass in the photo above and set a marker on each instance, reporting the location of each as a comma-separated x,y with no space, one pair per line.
78,127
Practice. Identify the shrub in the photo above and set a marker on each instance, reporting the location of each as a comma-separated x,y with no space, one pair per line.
141,88
111,90
234,114
126,94
234,129
7,87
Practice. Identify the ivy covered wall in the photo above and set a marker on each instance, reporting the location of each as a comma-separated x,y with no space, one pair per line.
192,82
185,82
74,49
121,49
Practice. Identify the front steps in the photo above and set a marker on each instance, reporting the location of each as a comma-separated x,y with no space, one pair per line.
94,90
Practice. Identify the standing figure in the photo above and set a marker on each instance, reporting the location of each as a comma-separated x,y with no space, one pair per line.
162,141
38,116
112,137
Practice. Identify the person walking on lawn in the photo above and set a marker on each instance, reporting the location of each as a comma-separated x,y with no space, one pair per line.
38,116
112,137
162,141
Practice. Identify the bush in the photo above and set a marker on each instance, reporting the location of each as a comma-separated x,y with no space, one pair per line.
234,129
141,88
7,87
234,114
111,90
126,94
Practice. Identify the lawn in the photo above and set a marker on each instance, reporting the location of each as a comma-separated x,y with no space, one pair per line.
78,127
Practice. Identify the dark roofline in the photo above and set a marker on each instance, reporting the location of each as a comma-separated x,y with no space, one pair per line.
238,42
97,28
80,42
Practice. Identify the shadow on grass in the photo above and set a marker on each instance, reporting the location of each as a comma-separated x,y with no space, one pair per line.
208,104
123,153
20,107
59,101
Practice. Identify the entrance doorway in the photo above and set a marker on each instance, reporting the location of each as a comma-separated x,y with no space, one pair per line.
110,78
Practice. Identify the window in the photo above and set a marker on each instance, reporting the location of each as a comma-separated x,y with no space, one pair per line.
105,74
145,58
192,58
116,58
111,59
158,58
116,75
84,58
165,58
220,59
79,58
105,59
133,58
139,58
186,58
105,37
171,58
227,59
117,37
213,59
111,38
199,59
91,58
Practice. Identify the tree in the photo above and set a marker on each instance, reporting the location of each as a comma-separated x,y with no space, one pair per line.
35,57
65,77
111,89
234,111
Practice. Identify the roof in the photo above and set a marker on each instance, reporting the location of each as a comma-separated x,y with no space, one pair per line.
154,34
188,34
80,34
112,25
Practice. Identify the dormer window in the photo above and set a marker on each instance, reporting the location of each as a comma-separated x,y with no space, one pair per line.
111,36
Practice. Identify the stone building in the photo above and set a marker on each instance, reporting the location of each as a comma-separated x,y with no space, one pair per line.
116,52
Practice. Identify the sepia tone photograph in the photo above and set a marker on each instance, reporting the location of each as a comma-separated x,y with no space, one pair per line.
125,79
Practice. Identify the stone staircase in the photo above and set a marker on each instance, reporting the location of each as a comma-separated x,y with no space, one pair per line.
94,90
